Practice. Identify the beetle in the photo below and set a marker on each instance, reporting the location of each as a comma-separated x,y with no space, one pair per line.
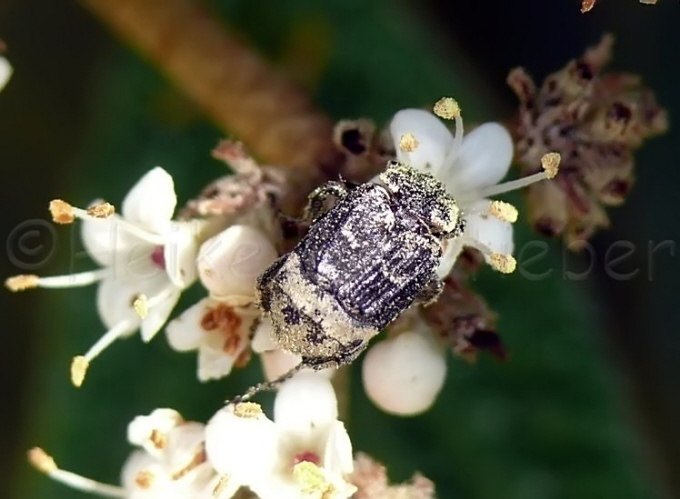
365,259
363,262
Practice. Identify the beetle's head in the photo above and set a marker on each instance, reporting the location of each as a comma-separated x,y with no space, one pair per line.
422,194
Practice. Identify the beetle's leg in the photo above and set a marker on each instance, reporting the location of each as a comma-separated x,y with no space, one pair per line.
430,291
317,199
266,386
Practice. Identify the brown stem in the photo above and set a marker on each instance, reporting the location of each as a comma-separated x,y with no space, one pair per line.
235,87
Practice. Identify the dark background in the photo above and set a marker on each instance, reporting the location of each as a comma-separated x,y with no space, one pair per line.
588,407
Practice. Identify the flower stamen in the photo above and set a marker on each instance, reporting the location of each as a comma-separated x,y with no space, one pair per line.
408,142
310,478
550,163
449,107
141,305
503,211
65,213
81,363
22,282
503,263
30,281
44,463
247,410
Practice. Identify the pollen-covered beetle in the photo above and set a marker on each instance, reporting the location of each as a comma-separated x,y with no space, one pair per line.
363,262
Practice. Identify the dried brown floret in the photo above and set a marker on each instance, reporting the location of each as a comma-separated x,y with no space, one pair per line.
594,121
251,195
587,5
365,150
461,317
250,186
370,478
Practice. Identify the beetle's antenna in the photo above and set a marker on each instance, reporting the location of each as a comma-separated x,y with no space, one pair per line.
267,385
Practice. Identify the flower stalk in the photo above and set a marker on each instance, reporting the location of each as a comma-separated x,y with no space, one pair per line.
238,90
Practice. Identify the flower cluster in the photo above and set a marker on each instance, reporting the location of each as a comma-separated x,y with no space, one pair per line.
595,121
304,452
147,259
227,237
404,373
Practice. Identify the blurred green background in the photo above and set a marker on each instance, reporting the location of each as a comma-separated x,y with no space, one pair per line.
589,405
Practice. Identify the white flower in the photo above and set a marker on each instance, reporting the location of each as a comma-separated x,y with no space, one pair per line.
171,464
147,260
219,326
404,374
5,72
144,477
230,263
304,453
471,170
219,331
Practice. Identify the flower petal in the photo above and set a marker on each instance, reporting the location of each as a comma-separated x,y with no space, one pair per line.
151,202
180,252
112,246
434,139
142,430
135,463
114,302
338,453
452,248
231,262
262,339
185,333
159,313
215,363
483,159
305,402
241,446
220,487
182,445
493,233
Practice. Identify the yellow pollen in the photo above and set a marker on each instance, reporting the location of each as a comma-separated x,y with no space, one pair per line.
79,366
62,212
42,460
551,163
145,479
22,282
503,263
141,305
447,108
101,210
503,211
408,142
248,410
158,439
221,485
310,478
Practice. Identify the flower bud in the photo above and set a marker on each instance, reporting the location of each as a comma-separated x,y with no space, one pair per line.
404,374
230,263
